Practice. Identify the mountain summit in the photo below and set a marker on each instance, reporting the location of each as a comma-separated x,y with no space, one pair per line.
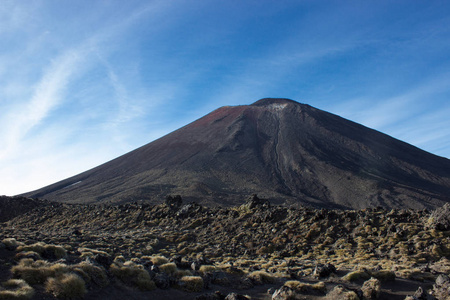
282,150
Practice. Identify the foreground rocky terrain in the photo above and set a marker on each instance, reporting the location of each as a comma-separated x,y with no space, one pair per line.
257,250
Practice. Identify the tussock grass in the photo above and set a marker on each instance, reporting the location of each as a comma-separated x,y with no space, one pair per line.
45,250
130,272
11,243
340,292
383,276
181,273
27,254
93,251
16,289
159,260
302,287
91,272
37,272
371,288
356,275
169,268
261,277
207,268
66,286
191,283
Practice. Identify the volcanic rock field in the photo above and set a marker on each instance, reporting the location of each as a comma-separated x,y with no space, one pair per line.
257,250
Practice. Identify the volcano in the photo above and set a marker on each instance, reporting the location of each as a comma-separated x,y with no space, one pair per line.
284,151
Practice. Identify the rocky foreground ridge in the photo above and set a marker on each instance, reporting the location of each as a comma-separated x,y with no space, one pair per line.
257,250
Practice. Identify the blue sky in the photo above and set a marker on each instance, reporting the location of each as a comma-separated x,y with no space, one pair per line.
83,82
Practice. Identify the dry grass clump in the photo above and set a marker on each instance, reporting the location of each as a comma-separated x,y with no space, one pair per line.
356,275
207,268
169,268
191,283
11,243
383,276
43,249
340,292
302,287
16,289
37,247
158,260
371,288
66,286
130,272
181,273
88,252
91,272
261,277
37,272
27,254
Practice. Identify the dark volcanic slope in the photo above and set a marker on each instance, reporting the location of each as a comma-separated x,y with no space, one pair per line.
278,148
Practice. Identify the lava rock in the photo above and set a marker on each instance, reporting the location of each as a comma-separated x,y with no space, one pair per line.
162,281
324,270
173,202
103,260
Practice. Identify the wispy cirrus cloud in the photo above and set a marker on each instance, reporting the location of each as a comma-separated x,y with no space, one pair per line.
47,95
44,125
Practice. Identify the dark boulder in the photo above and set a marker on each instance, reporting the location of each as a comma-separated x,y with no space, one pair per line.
173,202
324,270
162,280
189,210
255,202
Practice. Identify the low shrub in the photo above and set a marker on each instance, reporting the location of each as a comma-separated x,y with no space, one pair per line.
16,289
66,286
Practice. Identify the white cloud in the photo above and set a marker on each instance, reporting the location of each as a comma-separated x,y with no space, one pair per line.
48,94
